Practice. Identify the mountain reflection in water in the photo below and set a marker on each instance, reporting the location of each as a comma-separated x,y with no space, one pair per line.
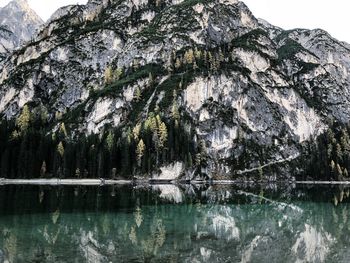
162,223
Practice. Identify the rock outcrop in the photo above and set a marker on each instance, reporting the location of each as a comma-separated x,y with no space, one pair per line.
252,91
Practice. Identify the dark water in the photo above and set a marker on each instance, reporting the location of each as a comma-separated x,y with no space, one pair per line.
174,224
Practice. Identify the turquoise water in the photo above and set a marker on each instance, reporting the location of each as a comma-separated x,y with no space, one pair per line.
174,224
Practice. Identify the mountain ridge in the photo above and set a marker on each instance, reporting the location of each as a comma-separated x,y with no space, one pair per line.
243,95
18,23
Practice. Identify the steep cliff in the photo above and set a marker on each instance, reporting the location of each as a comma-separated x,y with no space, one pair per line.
248,95
18,23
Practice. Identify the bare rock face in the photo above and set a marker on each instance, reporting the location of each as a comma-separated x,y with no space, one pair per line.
251,90
18,23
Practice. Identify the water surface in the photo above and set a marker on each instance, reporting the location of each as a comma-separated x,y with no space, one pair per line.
174,224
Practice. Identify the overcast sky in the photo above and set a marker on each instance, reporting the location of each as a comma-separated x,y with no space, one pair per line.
45,8
332,16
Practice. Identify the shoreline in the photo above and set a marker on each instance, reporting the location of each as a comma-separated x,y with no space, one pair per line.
101,182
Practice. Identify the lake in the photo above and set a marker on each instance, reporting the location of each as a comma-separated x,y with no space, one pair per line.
167,223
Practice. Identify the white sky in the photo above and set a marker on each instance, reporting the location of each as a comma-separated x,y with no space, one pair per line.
332,16
45,8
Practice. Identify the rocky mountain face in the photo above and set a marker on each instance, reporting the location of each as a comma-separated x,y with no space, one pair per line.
249,95
18,23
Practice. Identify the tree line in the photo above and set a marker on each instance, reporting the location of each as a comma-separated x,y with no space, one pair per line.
29,148
329,154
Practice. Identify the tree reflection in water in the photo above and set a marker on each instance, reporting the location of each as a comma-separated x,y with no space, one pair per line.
175,224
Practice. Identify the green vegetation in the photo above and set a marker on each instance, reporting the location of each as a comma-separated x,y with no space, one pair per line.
249,42
29,150
289,49
329,157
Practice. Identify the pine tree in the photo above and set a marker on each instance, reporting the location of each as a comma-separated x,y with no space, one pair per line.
332,166
345,140
339,172
140,151
63,129
137,95
58,115
189,57
150,79
212,62
163,135
108,75
136,131
177,63
110,141
60,149
175,108
23,121
118,73
197,53
44,115
339,153
205,57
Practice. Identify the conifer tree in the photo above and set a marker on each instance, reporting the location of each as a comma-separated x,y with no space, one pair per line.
163,135
137,95
110,141
175,108
177,63
189,57
118,73
63,130
108,75
136,131
24,119
60,149
140,150
197,53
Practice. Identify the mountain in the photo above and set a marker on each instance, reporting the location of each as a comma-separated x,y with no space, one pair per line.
195,84
18,23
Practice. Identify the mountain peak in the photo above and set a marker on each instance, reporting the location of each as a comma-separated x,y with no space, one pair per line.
18,4
239,90
21,23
